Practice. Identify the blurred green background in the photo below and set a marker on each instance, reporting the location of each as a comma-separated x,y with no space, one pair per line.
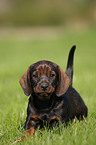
32,30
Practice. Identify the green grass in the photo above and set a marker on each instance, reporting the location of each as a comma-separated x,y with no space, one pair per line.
16,54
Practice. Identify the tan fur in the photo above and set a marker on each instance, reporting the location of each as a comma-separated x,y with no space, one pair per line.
64,83
25,82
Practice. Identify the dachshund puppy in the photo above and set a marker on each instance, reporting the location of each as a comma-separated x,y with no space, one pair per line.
52,97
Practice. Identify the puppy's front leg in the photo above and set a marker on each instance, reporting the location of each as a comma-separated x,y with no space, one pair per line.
32,122
30,132
29,127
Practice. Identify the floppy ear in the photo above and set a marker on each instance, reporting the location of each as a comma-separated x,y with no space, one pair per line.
63,84
25,82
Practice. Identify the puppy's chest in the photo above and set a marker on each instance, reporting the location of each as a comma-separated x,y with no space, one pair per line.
53,114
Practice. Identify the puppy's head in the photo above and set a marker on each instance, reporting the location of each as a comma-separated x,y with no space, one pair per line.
44,78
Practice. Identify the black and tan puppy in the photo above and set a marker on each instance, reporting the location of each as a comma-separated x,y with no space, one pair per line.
52,97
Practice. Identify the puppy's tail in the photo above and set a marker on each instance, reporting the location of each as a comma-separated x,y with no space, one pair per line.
69,68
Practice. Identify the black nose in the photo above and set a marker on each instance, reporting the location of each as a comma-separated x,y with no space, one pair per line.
44,86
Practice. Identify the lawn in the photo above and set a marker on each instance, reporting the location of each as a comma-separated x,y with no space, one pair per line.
21,48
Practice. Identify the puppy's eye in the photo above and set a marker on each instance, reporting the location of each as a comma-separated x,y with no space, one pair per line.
52,75
35,75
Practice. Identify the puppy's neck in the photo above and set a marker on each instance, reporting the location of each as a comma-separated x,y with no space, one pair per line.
43,104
